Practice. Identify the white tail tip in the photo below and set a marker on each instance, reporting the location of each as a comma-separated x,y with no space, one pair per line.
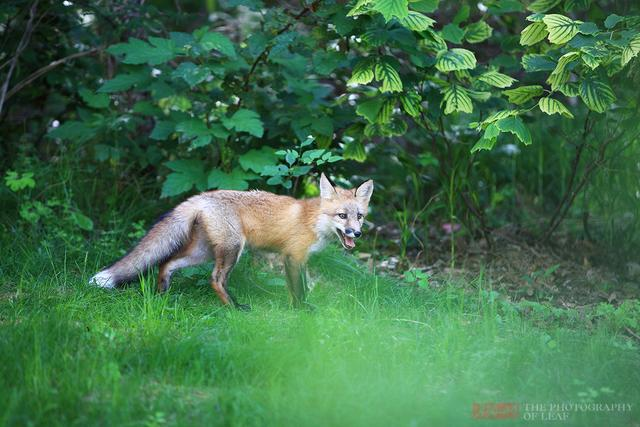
103,280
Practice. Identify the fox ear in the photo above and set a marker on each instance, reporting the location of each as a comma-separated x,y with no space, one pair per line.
326,189
364,191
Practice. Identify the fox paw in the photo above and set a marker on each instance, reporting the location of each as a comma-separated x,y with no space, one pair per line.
102,280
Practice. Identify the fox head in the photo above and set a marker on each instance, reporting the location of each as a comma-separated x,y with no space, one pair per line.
343,210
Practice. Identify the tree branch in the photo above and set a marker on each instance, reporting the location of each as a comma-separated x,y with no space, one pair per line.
46,69
557,214
589,170
24,41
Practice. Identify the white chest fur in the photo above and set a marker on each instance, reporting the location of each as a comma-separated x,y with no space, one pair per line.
324,232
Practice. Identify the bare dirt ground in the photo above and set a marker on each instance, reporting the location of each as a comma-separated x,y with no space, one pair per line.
566,273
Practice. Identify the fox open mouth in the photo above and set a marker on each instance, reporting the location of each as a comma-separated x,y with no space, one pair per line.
347,242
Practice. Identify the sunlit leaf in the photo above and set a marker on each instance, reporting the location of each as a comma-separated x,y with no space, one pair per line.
522,94
456,98
533,33
561,28
550,106
477,32
596,94
497,79
455,59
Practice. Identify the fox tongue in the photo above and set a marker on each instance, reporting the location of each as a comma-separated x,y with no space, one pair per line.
348,241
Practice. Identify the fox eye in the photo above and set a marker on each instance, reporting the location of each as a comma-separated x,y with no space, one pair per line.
342,215
359,216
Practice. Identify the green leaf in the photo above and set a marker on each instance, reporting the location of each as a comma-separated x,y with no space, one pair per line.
568,89
425,6
497,79
354,150
385,72
361,7
236,180
122,82
452,33
561,28
322,125
462,14
588,28
385,112
551,106
291,156
73,130
484,144
162,130
82,221
522,94
94,100
541,6
480,96
245,120
536,62
536,17
137,51
491,131
17,183
498,115
325,62
370,109
533,33
505,6
219,42
392,8
455,59
477,32
376,37
191,73
310,156
590,60
570,5
488,140
612,20
255,160
192,128
176,183
560,74
146,108
596,94
416,21
457,99
515,125
631,50
186,174
411,103
362,72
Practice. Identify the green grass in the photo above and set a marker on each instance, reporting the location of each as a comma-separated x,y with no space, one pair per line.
374,352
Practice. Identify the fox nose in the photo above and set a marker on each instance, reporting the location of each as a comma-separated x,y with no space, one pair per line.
352,232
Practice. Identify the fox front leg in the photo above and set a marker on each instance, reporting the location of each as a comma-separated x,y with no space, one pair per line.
296,282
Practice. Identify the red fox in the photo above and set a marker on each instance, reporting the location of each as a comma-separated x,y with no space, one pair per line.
217,224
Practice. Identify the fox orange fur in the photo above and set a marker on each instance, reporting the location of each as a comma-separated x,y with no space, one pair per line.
217,225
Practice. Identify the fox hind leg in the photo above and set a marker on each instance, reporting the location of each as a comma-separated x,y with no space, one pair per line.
226,258
196,252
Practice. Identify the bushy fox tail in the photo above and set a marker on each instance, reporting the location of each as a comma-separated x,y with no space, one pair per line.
162,241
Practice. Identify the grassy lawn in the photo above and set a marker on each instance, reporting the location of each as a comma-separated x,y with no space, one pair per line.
374,352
